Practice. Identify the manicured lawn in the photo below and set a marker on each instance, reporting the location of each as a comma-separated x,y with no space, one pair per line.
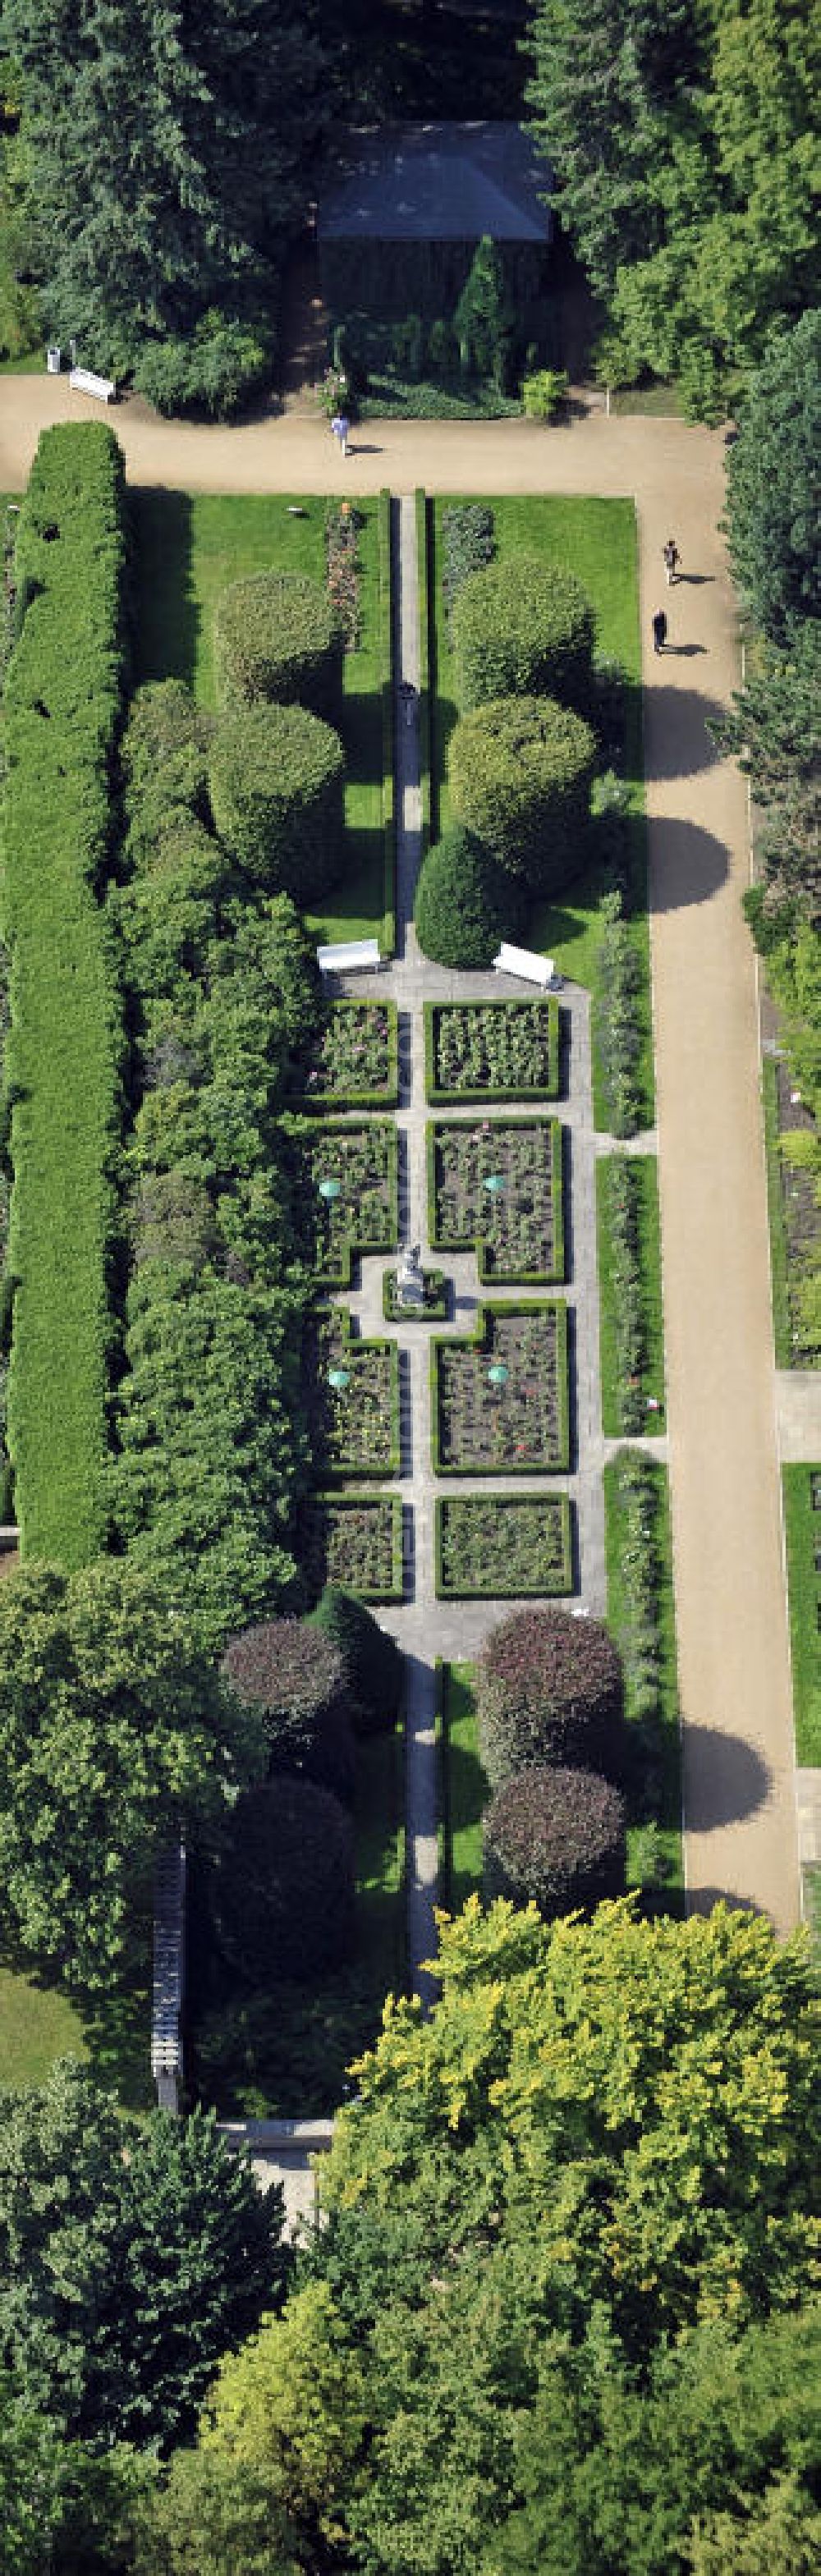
189,547
464,1787
654,1785
597,540
38,2024
802,1529
652,1315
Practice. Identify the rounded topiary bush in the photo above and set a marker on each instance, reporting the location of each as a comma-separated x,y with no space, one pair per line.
297,1680
465,902
521,772
522,628
549,1689
277,635
275,778
555,1836
283,1886
372,1660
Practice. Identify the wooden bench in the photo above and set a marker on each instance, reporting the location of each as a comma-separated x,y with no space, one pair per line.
346,955
83,381
525,962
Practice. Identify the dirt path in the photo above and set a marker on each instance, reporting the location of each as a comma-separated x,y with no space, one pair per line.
732,1631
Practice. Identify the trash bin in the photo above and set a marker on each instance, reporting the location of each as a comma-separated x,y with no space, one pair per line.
53,360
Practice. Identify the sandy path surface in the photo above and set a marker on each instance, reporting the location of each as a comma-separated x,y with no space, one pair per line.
732,1628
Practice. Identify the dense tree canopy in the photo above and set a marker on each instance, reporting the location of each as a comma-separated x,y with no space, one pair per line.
774,729
131,2258
772,485
114,1732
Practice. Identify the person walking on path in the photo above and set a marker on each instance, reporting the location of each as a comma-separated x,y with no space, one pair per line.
659,631
671,560
340,426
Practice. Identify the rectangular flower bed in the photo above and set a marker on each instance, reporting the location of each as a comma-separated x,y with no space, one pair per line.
503,1547
500,1401
358,1392
499,1186
354,1060
362,1214
357,1543
492,1050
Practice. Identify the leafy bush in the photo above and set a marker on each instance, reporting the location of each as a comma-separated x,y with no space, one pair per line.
277,635
213,369
283,1888
468,543
465,903
549,1690
373,1662
521,771
276,778
556,1837
544,393
621,1199
63,705
163,721
298,1681
522,628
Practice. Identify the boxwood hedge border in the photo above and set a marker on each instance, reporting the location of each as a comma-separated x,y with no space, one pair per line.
355,1344
488,1277
450,1098
560,1464
321,1102
351,1498
499,1590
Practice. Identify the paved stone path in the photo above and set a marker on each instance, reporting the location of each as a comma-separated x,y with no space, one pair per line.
721,1396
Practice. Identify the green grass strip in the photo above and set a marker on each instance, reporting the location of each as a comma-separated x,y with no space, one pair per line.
465,1787
654,1788
779,1259
802,1533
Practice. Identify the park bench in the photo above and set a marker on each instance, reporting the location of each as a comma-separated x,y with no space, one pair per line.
525,962
347,954
83,381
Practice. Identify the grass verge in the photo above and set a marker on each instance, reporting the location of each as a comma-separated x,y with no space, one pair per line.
645,1170
802,1532
464,1788
655,1860
189,547
597,540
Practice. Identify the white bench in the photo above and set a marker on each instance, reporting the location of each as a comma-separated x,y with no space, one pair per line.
346,954
525,962
83,381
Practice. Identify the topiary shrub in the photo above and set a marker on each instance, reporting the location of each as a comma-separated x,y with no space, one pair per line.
549,1689
275,779
277,635
283,1886
296,1677
465,902
164,719
557,1837
521,773
523,627
372,1659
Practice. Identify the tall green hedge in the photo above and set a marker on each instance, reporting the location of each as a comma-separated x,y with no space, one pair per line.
523,627
521,772
63,703
277,635
276,779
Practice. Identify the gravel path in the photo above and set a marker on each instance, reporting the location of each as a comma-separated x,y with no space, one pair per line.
721,1393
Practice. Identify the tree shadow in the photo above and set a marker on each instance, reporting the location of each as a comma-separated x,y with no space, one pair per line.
168,617
687,865
676,741
724,1779
701,1900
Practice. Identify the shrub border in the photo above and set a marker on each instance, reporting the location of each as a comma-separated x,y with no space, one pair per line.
466,1341
646,1280
802,1526
422,573
501,1591
449,1099
383,522
488,1277
783,1345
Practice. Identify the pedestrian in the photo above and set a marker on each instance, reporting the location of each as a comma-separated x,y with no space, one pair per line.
671,560
340,426
659,631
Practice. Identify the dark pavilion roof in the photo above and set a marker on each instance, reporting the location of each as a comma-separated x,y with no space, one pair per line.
442,182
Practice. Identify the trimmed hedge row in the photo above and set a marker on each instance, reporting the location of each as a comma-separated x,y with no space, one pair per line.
383,524
63,704
423,595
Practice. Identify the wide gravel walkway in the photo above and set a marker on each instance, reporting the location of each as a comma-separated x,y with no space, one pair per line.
721,1393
